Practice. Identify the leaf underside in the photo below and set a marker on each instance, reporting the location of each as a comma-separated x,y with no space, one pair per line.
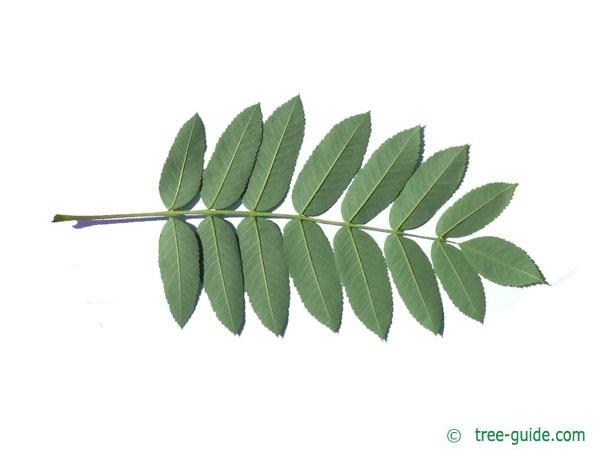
331,166
178,258
182,172
475,210
265,272
383,176
230,166
459,279
312,268
502,262
223,279
283,132
253,163
415,281
364,276
432,184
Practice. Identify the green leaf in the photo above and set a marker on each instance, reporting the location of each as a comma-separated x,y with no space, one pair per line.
432,184
265,272
283,132
502,262
312,267
179,262
364,275
229,168
475,210
382,178
331,166
182,173
415,280
459,280
223,280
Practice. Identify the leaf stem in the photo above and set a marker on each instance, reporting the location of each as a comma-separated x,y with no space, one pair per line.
233,213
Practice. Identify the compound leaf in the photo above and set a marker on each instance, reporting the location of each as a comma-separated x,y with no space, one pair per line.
432,184
415,281
182,172
331,166
265,272
312,267
364,275
502,262
382,178
475,210
230,166
223,280
253,164
179,263
459,279
283,132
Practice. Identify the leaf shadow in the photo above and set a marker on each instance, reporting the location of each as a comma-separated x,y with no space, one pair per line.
234,230
92,223
192,203
200,262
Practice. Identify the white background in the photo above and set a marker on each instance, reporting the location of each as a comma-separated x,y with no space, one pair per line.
90,100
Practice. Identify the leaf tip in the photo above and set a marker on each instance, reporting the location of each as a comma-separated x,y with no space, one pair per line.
181,318
366,116
383,334
281,332
459,150
332,325
255,108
